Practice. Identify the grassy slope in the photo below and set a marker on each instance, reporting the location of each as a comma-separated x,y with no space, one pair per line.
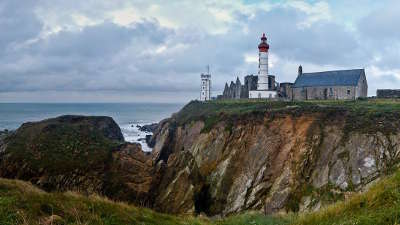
22,203
379,205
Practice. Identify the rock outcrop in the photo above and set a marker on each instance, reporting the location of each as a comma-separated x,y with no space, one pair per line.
289,159
78,153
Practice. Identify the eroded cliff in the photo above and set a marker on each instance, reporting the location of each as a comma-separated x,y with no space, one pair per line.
218,157
272,157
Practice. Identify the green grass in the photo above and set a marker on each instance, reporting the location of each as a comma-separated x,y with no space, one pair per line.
22,203
368,115
254,218
379,205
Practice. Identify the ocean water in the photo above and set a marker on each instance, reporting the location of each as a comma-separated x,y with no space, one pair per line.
127,115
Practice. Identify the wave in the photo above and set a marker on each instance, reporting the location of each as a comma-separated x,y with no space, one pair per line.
132,134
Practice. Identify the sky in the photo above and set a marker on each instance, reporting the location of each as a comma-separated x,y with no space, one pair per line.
154,51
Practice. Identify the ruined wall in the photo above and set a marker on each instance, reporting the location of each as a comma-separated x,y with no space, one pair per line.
388,93
237,90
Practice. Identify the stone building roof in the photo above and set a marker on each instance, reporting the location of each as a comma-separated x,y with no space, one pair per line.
330,78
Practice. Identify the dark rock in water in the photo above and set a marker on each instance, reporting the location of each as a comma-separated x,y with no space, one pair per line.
150,128
149,141
4,133
77,153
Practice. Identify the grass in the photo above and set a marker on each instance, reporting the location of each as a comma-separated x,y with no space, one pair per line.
367,115
254,218
22,203
379,205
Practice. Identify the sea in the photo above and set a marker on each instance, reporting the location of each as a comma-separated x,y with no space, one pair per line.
127,115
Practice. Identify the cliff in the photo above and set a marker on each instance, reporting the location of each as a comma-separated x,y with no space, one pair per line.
77,153
219,157
229,156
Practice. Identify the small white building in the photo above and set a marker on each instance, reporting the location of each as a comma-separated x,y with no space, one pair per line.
263,88
205,91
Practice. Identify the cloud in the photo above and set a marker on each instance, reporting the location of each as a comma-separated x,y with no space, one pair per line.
18,25
145,49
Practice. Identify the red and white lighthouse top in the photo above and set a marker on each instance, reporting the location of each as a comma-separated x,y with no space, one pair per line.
263,46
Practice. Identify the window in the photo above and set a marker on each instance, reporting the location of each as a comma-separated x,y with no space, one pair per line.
348,92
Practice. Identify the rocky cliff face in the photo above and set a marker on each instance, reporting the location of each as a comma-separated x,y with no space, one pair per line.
216,157
291,159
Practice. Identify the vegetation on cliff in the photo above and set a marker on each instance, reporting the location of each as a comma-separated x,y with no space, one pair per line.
22,203
283,156
366,114
378,205
221,158
77,153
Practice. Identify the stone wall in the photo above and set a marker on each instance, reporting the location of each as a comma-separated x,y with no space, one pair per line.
388,93
325,92
285,90
362,87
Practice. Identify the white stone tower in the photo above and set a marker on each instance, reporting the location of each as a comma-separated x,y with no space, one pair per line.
263,48
205,92
263,89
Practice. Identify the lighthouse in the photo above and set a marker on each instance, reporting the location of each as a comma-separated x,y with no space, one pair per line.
205,91
265,83
263,48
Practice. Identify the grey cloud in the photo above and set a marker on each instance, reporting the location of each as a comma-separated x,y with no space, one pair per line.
324,42
17,24
381,36
110,58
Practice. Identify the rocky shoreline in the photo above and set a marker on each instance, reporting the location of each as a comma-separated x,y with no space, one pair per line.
150,128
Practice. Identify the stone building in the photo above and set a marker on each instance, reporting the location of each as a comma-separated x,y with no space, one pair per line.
285,90
237,91
388,93
339,84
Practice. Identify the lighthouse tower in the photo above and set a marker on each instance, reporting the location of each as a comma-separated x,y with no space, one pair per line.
264,89
205,91
263,48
